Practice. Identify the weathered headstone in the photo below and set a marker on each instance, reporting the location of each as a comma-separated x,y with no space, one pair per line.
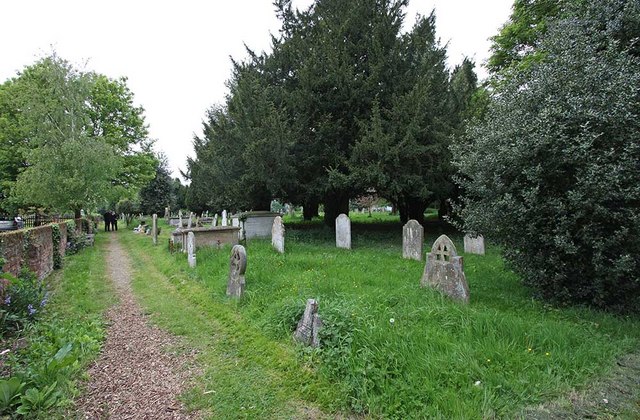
224,218
444,270
191,249
277,234
343,231
167,214
190,222
474,244
237,268
309,325
412,240
235,221
215,220
154,229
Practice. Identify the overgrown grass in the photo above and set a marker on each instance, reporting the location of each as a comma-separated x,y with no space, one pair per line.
53,352
390,348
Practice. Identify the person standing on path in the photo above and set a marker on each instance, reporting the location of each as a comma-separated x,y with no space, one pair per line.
107,221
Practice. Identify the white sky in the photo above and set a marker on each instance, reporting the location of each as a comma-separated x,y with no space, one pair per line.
176,53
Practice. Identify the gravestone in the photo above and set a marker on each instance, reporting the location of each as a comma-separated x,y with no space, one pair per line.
180,217
343,231
474,244
277,234
235,221
444,270
224,218
190,222
309,325
237,268
215,220
412,240
154,229
166,213
191,249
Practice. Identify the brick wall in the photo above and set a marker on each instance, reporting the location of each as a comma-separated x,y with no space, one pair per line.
33,248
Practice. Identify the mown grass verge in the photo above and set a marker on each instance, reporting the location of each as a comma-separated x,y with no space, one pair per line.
389,348
52,353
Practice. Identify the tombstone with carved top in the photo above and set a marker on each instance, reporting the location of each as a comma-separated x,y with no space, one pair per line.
444,270
237,268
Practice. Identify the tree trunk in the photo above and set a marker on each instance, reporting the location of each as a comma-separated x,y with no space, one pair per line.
412,208
334,205
77,213
310,210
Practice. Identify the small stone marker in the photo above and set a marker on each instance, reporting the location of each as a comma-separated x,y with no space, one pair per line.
444,270
180,226
412,240
167,214
190,222
309,326
474,244
277,234
235,221
154,229
191,249
343,231
215,220
224,218
237,268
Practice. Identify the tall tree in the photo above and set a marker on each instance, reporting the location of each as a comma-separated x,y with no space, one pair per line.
552,173
69,139
156,195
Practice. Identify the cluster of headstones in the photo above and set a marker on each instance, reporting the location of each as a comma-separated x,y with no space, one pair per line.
443,270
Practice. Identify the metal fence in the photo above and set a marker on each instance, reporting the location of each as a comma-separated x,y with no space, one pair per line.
34,220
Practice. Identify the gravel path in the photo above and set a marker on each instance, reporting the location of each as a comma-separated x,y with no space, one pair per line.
134,378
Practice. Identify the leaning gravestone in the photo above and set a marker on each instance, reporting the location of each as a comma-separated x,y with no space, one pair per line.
154,229
191,249
277,234
474,244
237,268
309,325
224,218
190,222
412,240
444,270
343,231
215,220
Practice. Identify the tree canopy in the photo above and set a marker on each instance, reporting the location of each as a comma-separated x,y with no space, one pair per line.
70,139
344,103
551,173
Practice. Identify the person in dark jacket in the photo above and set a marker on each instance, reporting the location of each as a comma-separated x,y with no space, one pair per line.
107,221
114,221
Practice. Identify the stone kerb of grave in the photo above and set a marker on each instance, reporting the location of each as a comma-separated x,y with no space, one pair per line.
277,234
343,231
412,240
444,270
237,268
474,244
154,229
309,325
191,249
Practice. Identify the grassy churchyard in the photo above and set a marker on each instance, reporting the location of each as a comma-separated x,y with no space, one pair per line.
388,347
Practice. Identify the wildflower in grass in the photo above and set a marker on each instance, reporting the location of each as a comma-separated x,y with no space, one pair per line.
488,360
7,300
44,300
392,321
31,310
529,350
477,383
547,354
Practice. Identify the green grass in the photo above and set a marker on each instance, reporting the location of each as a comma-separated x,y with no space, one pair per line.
425,364
80,293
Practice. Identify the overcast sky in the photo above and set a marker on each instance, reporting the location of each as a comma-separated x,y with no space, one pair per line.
176,54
